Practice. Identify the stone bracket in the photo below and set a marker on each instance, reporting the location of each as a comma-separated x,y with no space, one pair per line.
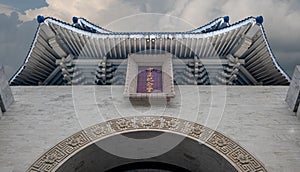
56,47
246,41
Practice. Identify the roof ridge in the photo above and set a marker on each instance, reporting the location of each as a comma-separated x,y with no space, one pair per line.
85,20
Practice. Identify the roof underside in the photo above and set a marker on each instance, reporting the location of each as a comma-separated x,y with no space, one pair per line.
217,53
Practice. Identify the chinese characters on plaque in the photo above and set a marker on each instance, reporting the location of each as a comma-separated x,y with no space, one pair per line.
149,79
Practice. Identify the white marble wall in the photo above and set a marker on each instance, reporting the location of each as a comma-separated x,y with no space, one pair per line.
256,117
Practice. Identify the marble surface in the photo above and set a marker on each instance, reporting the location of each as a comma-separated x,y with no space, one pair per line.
293,95
6,97
256,117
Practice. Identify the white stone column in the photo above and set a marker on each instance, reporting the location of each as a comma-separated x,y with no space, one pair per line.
6,97
293,94
0,113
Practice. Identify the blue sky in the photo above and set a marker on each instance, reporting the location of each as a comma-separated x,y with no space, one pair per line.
22,6
18,23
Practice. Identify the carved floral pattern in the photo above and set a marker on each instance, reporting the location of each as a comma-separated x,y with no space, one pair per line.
243,159
75,142
221,142
171,123
123,124
147,122
196,130
51,158
98,130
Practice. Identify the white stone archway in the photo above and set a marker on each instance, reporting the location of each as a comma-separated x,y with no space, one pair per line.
230,151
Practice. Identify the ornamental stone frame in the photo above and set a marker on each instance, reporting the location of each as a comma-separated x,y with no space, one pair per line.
237,156
163,60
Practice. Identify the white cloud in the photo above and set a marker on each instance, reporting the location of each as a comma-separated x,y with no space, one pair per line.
278,14
281,16
7,10
280,20
64,10
93,10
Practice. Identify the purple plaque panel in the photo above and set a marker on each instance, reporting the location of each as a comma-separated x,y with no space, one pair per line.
149,79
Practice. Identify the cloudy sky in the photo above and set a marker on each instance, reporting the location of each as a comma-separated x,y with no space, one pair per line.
18,21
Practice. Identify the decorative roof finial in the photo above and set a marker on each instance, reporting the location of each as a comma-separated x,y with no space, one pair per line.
226,19
75,19
40,18
259,19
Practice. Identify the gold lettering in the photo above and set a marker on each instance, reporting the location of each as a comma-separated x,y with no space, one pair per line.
149,84
150,69
150,81
149,89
